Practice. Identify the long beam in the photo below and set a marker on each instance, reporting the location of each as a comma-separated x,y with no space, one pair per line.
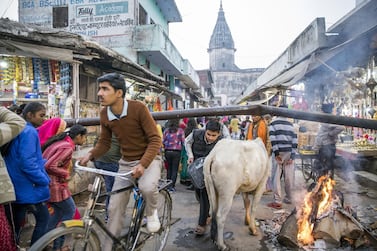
248,110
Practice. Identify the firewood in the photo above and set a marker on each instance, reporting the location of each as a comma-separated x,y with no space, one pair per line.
332,228
328,230
288,232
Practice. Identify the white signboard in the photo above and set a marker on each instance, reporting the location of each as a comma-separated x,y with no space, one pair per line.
100,19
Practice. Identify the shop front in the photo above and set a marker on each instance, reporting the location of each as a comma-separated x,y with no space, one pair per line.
30,79
59,69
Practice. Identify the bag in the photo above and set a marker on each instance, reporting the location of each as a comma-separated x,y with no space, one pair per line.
195,171
4,149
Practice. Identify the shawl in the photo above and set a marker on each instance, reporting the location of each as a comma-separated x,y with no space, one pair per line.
49,128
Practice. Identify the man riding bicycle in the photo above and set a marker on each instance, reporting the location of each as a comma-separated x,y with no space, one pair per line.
140,142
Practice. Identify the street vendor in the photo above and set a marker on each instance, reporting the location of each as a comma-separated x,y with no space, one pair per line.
326,140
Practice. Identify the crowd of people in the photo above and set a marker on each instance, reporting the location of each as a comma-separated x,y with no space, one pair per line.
278,135
36,166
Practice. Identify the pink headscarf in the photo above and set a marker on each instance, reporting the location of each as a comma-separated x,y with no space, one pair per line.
49,128
183,123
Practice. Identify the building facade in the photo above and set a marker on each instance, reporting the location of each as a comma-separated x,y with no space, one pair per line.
137,29
228,79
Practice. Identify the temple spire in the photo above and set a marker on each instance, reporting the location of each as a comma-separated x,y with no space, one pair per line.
221,41
221,35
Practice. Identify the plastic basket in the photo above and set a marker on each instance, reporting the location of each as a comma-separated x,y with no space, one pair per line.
195,170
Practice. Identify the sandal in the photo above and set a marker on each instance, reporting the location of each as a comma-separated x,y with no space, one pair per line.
200,230
274,205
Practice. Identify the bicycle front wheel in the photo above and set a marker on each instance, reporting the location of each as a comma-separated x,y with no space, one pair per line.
67,238
157,241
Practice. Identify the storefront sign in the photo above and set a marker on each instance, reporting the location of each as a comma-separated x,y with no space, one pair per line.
94,18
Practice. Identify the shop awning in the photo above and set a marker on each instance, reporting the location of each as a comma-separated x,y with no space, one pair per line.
264,95
14,48
291,76
353,52
285,79
146,82
18,39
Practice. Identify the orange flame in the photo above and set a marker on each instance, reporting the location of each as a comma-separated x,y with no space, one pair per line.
305,223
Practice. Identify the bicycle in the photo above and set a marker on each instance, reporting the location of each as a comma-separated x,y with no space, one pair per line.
84,234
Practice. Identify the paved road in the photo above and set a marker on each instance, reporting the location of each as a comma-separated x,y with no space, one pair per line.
186,208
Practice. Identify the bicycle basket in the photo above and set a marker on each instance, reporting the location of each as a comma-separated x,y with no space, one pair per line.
195,170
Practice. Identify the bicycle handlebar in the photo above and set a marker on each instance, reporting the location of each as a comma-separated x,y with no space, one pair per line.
78,167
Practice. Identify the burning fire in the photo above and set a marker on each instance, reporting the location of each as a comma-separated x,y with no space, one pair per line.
316,203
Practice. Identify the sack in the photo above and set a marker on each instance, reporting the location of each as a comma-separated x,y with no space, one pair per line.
195,171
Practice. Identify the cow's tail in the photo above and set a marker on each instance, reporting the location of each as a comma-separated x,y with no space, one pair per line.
211,190
212,193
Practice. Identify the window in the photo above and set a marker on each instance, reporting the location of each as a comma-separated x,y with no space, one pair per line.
88,88
142,15
60,17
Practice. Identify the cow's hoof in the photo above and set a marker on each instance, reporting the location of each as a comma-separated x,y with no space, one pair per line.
224,248
221,247
255,232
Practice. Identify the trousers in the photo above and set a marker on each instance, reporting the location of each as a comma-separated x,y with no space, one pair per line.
173,158
63,210
148,185
109,180
203,206
41,214
286,171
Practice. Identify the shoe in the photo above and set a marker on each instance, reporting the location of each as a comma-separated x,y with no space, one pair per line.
185,182
171,190
191,187
200,230
153,223
287,201
274,205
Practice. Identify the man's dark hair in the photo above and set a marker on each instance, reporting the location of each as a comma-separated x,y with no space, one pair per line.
213,125
327,108
116,81
173,125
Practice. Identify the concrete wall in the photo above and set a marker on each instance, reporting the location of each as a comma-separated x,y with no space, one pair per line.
80,181
312,38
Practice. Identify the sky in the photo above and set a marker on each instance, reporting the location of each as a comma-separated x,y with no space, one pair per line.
261,29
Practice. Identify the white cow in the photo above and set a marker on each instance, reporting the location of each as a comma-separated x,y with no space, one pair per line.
235,166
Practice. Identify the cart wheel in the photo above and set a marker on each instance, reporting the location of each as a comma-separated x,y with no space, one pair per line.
306,172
